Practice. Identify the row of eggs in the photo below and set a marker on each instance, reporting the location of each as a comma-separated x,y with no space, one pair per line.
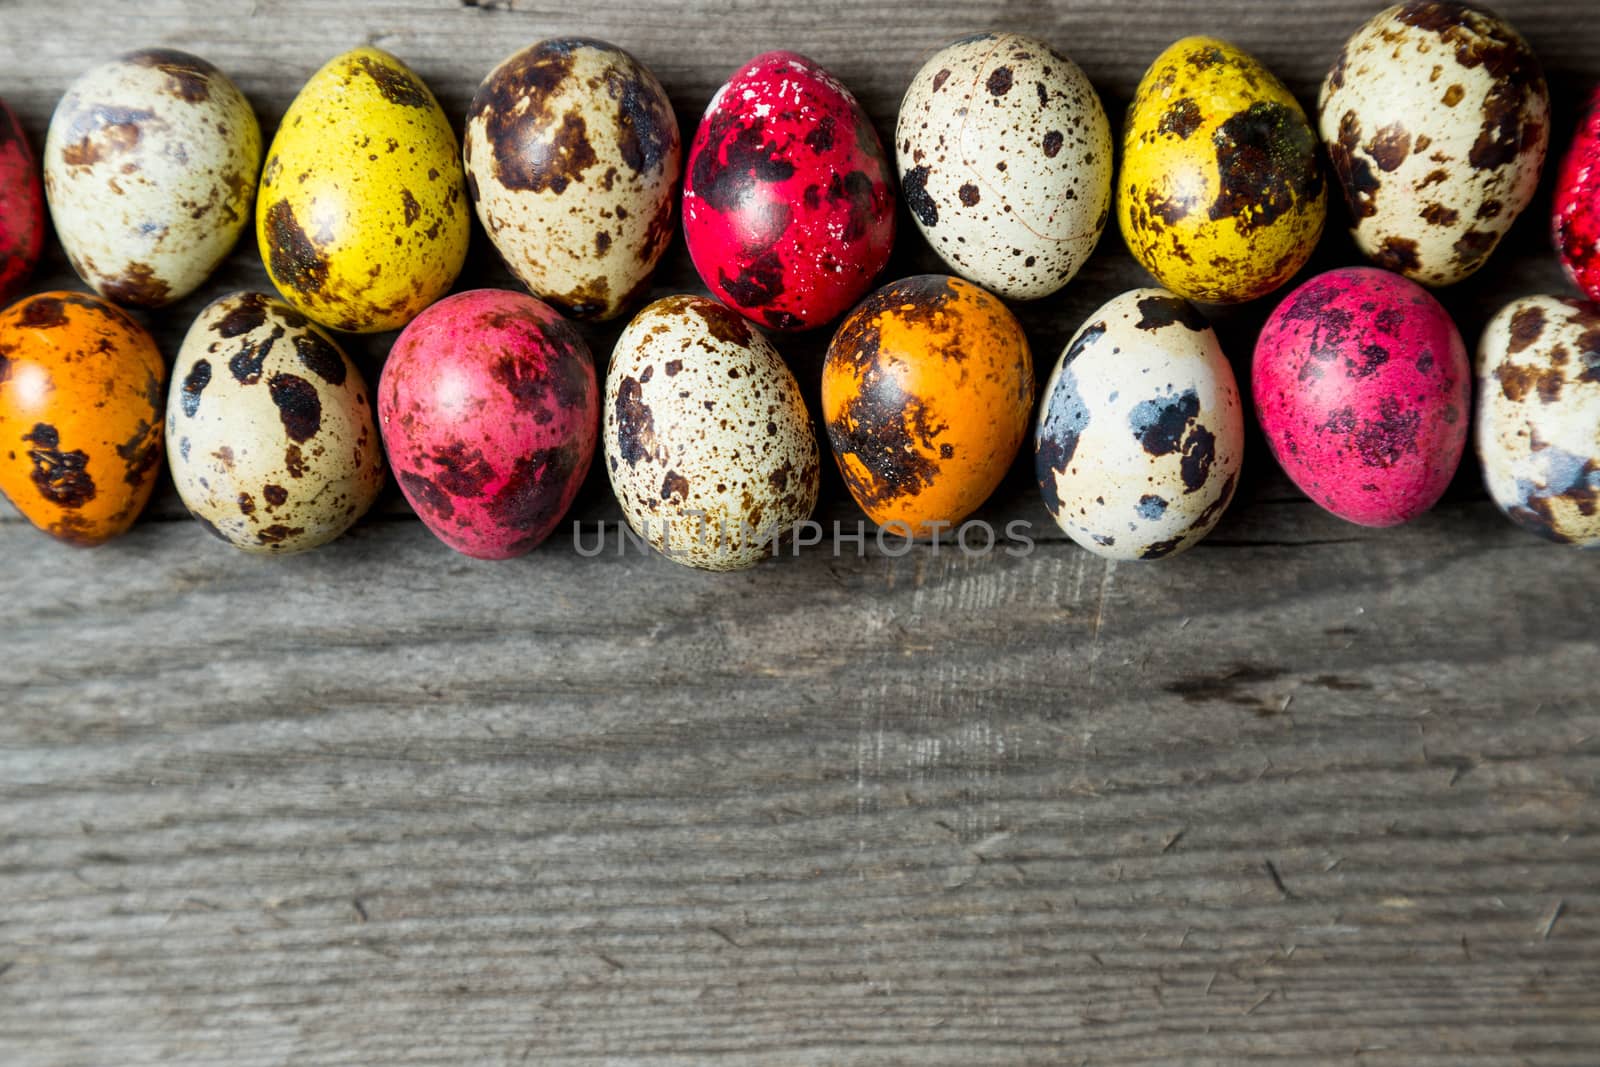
789,213
488,409
1435,118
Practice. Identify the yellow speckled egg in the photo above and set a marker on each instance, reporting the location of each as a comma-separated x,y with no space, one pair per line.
362,218
1221,195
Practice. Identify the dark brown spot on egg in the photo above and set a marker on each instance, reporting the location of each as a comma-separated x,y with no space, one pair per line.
61,477
1181,118
296,261
43,313
194,383
999,82
247,504
97,133
1156,312
249,312
675,485
1267,162
276,495
140,453
915,188
940,78
1527,326
1052,143
188,77
137,286
636,430
969,194
1397,254
723,324
532,496
299,407
1355,174
397,85
425,495
1389,147
1439,215
318,355
413,210
278,533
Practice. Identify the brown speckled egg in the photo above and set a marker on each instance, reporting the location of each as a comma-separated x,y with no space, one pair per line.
269,428
572,156
1436,117
1005,162
81,387
150,168
1538,418
707,440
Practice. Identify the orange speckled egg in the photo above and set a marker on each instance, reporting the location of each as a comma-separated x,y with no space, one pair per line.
81,394
927,392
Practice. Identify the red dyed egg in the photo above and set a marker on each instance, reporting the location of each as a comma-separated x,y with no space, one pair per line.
787,205
1362,387
489,410
21,206
1577,216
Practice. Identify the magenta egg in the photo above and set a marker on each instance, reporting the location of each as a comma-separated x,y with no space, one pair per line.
21,206
488,409
1362,387
787,206
1577,204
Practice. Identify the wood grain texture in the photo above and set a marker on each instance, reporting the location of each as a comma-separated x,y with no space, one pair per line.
1310,794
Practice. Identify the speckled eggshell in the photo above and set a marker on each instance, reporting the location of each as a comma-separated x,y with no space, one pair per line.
488,409
927,393
22,222
1140,435
1577,204
573,160
1436,118
269,428
81,391
1005,162
1221,195
1362,387
1538,419
150,166
788,203
362,220
708,443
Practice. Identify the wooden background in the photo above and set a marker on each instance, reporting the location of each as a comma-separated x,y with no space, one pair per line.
1309,794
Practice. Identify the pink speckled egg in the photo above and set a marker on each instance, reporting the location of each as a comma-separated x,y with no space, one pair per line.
22,221
788,208
1362,386
489,410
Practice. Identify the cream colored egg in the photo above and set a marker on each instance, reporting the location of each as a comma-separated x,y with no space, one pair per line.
1005,162
269,426
150,169
573,157
708,444
1538,419
1140,435
1437,119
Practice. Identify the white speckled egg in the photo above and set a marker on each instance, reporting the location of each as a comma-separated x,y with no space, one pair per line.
1005,161
269,429
572,156
708,443
1436,118
1538,420
1140,435
150,169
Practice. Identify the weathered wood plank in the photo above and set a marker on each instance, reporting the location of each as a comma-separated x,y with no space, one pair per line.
1310,794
